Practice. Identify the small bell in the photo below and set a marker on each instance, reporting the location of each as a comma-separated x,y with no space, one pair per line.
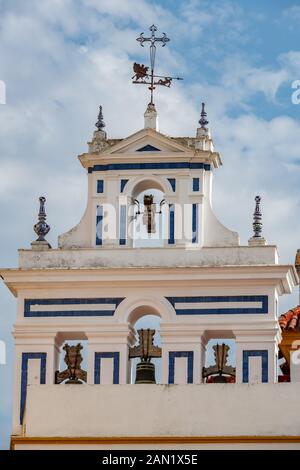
145,370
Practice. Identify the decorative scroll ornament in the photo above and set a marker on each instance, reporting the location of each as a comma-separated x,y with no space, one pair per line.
220,369
141,72
41,228
257,219
73,373
145,370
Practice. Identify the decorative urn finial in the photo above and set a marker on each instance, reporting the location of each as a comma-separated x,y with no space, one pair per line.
203,119
100,124
257,219
41,228
257,238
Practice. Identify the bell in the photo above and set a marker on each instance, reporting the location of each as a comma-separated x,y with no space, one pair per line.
219,379
145,373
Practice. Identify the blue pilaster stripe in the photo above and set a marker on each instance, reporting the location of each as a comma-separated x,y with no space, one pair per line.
42,356
220,311
190,365
263,353
151,166
116,365
195,223
99,225
171,239
172,182
72,313
123,212
100,186
196,184
123,184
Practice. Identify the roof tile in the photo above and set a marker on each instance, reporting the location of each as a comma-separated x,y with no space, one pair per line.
291,319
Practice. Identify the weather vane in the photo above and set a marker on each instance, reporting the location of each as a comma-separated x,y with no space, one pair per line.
141,72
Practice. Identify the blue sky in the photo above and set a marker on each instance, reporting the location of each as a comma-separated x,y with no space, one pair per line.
60,59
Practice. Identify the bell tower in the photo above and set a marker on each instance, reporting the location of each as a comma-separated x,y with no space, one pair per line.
148,243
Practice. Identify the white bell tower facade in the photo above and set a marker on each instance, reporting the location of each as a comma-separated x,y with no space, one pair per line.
97,283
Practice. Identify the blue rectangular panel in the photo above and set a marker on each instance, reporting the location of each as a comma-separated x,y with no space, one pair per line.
109,311
196,184
123,213
100,186
24,376
190,365
221,311
116,365
195,223
99,225
151,166
263,353
171,239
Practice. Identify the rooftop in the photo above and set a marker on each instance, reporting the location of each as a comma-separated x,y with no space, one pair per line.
291,319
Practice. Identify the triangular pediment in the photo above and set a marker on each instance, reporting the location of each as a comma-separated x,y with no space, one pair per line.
147,141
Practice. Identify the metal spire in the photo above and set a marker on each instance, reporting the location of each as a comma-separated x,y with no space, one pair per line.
203,119
257,219
41,228
141,74
100,124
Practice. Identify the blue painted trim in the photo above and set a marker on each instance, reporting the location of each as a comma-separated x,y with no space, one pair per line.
172,182
151,166
100,186
116,365
24,376
196,184
71,313
195,223
99,223
263,353
171,239
123,210
148,148
123,184
220,311
190,365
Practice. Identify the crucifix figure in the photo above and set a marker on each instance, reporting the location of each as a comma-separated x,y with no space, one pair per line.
141,74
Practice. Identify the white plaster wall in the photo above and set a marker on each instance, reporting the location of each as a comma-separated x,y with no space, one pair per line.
143,257
160,410
295,365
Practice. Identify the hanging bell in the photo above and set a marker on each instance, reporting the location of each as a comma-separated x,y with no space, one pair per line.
145,373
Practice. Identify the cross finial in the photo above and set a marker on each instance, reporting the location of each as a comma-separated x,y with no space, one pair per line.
257,219
203,119
100,124
141,74
41,228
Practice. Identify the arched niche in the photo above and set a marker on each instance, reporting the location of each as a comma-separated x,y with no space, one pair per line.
133,308
143,233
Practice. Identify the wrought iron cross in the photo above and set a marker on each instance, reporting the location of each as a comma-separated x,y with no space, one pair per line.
141,74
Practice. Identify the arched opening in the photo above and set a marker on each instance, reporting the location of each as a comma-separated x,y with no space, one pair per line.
220,358
148,207
146,318
72,361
